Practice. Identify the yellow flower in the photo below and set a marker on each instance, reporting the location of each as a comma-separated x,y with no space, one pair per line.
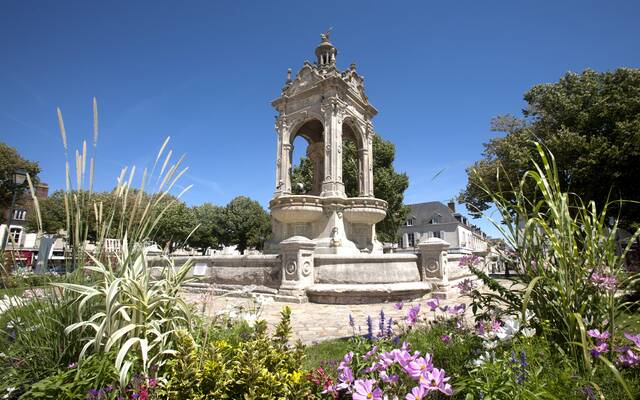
295,376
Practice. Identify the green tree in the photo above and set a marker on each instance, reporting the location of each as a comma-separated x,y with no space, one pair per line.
388,184
211,230
590,122
175,225
246,223
10,160
52,213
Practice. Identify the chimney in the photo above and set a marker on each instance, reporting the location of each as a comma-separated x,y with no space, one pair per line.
452,206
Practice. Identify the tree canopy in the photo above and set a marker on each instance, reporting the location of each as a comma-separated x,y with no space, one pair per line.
10,160
389,185
589,121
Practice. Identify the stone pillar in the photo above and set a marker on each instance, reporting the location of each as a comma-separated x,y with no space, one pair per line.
283,158
433,257
315,152
332,185
297,266
367,161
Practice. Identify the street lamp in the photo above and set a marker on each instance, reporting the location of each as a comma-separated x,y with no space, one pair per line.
19,176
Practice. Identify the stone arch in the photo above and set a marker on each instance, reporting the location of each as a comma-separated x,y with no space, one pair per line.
312,131
352,132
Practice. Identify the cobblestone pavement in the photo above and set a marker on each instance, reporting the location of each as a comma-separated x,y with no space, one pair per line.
313,322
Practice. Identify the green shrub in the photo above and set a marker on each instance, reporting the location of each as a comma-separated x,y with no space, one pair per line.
261,367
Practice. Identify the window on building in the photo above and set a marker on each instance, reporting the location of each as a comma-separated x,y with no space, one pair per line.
437,234
19,215
410,222
411,239
15,235
436,219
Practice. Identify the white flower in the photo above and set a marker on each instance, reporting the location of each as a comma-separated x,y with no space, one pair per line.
490,344
528,332
509,329
482,359
250,319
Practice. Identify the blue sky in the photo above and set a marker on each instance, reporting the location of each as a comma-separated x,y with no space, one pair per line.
204,73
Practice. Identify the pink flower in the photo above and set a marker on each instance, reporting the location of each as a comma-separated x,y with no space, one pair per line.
417,393
446,339
419,366
398,306
435,380
433,303
363,390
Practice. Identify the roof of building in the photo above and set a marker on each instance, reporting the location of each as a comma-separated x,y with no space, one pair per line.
422,211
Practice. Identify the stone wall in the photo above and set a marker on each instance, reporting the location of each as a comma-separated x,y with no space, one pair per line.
258,270
366,268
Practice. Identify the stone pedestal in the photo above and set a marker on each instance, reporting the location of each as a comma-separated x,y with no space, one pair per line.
297,266
433,265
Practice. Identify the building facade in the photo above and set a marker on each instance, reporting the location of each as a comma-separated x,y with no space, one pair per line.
439,220
23,206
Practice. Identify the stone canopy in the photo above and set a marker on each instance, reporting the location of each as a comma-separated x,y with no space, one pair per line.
326,106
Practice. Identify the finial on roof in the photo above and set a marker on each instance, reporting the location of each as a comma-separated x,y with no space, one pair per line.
325,36
325,52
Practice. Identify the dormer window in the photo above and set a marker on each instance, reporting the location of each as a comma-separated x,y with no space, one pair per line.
410,222
436,219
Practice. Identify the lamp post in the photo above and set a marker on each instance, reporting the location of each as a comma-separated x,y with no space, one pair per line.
19,176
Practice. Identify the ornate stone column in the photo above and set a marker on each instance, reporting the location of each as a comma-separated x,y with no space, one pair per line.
367,161
283,157
332,185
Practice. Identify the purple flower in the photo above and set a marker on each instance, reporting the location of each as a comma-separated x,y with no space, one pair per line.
363,390
417,393
634,338
457,309
352,322
72,365
370,352
468,261
369,327
390,379
381,323
466,286
346,360
435,380
480,328
433,303
412,315
446,339
390,327
604,281
398,306
345,377
594,333
600,348
628,358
